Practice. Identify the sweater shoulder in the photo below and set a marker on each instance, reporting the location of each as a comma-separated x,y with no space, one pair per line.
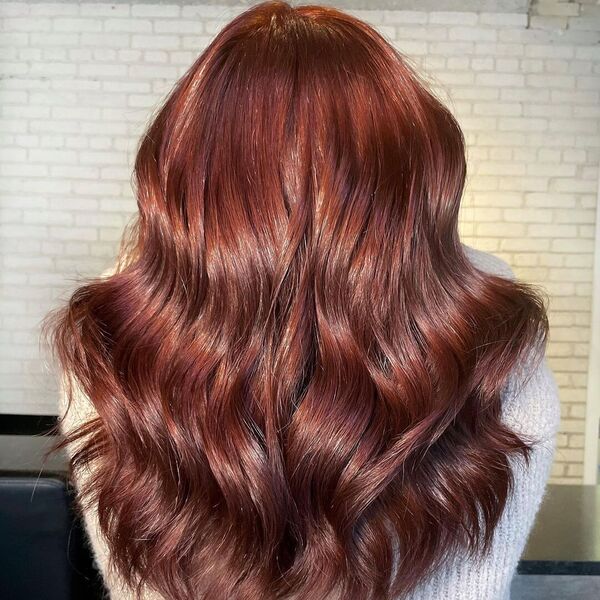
74,407
531,403
488,262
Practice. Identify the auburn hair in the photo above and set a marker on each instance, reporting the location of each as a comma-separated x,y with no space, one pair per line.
296,370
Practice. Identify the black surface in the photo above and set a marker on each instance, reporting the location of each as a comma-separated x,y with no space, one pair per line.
558,567
43,552
26,424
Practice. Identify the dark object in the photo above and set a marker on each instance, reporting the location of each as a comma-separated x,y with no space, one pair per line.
26,424
43,552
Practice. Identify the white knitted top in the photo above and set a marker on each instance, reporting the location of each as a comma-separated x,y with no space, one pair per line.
531,407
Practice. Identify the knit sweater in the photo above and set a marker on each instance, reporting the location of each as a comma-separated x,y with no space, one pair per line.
530,407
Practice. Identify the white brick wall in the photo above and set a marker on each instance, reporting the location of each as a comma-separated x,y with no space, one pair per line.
81,80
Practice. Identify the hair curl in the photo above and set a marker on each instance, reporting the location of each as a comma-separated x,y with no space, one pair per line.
295,368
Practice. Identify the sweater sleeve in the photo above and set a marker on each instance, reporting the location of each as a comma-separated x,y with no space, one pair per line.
531,407
73,416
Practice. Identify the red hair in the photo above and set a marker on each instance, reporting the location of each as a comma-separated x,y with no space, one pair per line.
296,371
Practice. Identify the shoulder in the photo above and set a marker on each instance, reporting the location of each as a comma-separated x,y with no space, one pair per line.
488,262
74,406
531,401
531,404
75,409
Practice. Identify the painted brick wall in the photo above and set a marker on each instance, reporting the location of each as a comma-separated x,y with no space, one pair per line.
81,80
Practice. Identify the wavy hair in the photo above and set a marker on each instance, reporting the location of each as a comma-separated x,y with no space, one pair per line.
296,370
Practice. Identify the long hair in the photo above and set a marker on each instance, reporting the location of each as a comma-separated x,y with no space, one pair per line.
296,370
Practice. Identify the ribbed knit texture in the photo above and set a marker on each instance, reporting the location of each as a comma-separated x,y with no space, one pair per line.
530,407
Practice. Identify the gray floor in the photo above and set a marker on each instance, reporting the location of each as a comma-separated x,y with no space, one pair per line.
555,587
23,452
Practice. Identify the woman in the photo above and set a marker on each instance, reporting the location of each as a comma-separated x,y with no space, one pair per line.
297,382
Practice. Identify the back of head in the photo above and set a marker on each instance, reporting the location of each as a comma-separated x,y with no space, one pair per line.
297,372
